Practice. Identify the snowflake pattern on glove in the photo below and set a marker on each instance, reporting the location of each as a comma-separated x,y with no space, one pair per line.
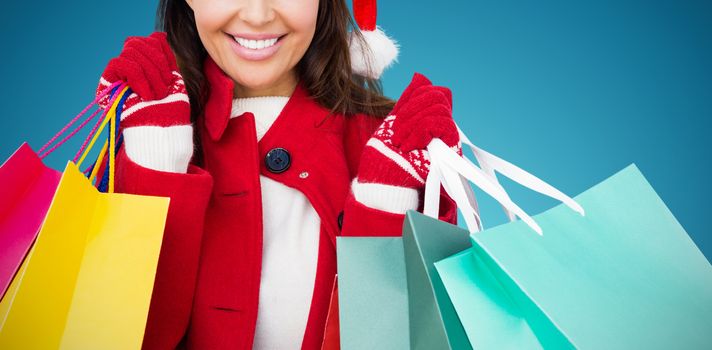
176,93
416,162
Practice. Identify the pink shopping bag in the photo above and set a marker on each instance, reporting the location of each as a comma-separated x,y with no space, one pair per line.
27,187
25,195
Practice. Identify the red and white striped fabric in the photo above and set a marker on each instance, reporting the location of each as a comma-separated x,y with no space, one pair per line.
156,117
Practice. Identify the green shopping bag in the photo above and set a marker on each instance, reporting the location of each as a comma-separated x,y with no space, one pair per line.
434,324
390,296
624,276
373,293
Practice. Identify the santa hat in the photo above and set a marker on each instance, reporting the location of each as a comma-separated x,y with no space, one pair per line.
379,51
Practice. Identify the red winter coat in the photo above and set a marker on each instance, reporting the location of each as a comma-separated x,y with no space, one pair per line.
208,278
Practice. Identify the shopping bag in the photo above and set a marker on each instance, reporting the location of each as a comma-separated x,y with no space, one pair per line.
331,339
624,276
373,293
434,324
88,279
27,187
26,190
390,296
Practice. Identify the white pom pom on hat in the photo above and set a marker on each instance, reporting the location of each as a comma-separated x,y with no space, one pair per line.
379,51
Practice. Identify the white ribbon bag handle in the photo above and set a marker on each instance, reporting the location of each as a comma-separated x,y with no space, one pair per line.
453,172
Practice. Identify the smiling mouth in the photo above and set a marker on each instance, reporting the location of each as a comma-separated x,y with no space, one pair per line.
256,44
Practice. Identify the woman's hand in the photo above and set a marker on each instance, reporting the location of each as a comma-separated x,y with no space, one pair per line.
156,117
395,162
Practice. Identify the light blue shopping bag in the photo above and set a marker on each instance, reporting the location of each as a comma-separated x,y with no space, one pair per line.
624,276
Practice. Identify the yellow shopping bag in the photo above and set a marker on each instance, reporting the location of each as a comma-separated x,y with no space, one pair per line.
87,282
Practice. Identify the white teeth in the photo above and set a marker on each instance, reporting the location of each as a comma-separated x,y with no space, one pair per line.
255,44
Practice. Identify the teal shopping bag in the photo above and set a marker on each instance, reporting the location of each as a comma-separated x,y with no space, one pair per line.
391,297
373,293
433,321
624,276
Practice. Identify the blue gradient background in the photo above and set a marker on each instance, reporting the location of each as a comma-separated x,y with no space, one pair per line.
571,91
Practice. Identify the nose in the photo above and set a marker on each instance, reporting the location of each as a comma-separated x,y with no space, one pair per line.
257,12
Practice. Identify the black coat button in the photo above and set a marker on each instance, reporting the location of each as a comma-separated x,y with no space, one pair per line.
340,219
278,160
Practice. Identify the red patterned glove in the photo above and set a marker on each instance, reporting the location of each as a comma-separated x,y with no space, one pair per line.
395,162
156,117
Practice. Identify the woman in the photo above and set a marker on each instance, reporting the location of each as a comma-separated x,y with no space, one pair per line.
247,114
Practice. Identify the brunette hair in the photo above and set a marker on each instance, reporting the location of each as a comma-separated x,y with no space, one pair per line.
325,69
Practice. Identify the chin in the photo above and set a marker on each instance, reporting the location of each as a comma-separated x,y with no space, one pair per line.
257,80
